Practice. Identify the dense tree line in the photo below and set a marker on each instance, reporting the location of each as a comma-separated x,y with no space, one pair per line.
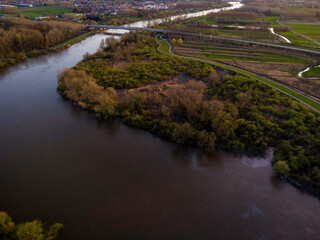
30,230
10,10
132,15
200,4
232,113
20,36
235,15
301,13
289,10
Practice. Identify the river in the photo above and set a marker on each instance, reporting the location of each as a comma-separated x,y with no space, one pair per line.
59,163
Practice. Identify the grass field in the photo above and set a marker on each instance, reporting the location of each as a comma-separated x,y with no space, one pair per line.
164,47
272,19
301,97
313,72
240,54
32,13
312,31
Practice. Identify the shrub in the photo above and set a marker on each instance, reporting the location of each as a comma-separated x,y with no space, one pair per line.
184,134
281,169
79,87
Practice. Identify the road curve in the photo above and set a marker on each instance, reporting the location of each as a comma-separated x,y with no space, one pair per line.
160,30
282,37
297,95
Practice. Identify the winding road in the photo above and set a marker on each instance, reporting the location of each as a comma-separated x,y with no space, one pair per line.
165,48
163,31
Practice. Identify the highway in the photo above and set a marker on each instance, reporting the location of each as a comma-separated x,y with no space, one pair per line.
297,95
157,30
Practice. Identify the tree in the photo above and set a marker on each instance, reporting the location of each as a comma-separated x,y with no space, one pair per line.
107,103
109,43
7,226
213,79
30,230
26,231
206,141
174,41
54,37
281,169
184,134
34,231
86,55
80,87
180,41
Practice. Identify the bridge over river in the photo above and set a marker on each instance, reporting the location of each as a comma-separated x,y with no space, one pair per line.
201,38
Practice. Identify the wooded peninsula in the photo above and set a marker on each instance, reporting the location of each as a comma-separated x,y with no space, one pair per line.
193,104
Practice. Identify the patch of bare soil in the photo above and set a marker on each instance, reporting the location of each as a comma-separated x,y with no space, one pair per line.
166,96
179,79
121,65
280,73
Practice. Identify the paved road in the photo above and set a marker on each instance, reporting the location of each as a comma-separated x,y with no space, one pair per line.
157,30
299,96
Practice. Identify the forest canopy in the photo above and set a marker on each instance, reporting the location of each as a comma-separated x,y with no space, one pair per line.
19,36
210,110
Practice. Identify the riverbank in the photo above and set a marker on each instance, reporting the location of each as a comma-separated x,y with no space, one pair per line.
5,63
299,180
48,146
229,113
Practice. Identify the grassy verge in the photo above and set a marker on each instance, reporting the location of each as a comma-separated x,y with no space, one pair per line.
74,40
164,47
309,30
300,97
313,72
240,54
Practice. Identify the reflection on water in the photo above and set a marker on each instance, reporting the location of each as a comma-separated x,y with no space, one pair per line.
142,24
234,5
102,180
257,162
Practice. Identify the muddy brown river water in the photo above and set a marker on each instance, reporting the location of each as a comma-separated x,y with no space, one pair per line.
59,163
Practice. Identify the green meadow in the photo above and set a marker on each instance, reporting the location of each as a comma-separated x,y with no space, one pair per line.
34,12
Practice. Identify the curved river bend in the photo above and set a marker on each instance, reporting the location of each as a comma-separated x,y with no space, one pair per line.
58,163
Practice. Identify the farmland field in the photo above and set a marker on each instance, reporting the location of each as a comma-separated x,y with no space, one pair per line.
313,72
239,54
32,13
281,68
309,30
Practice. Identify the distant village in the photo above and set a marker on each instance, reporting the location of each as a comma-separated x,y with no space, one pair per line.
113,8
103,7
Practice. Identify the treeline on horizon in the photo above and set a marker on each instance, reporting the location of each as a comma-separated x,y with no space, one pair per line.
20,36
214,111
130,15
287,10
